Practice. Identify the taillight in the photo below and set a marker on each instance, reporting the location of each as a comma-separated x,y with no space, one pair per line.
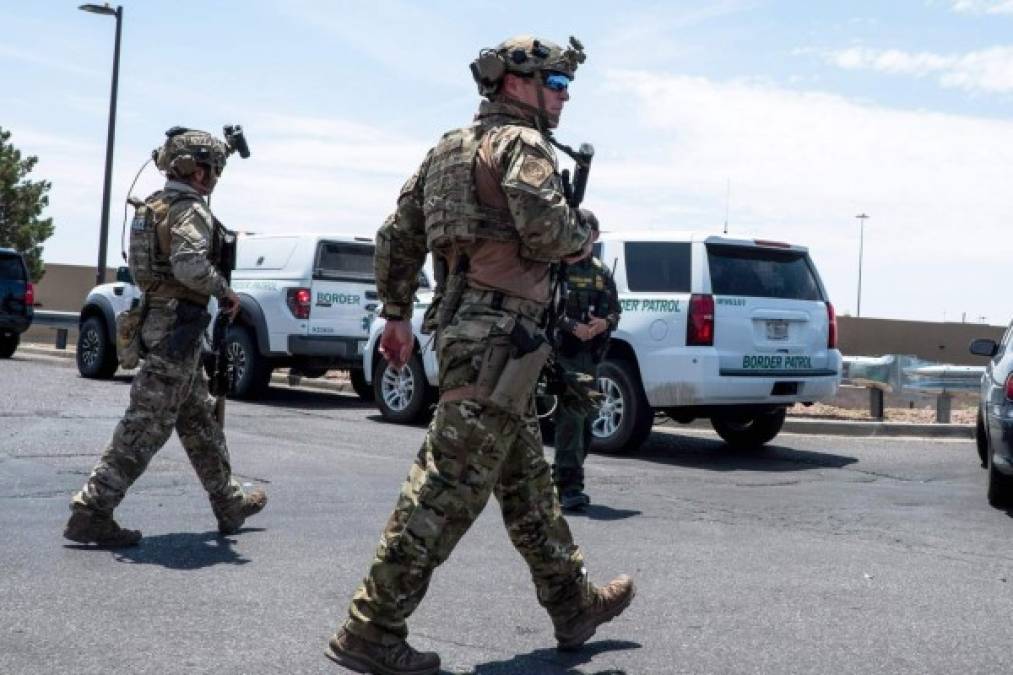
1009,387
299,302
832,324
30,294
700,322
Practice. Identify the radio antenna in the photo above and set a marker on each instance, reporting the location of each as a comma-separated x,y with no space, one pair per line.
728,199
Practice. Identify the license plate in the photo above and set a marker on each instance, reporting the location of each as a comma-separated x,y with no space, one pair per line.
777,329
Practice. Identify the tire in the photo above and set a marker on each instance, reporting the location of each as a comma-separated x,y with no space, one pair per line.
402,397
252,370
624,419
9,344
981,439
1000,486
749,432
96,351
363,390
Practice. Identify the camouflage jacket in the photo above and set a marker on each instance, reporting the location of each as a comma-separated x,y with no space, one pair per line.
548,227
191,229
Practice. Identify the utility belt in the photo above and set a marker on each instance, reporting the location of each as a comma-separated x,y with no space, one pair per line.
174,289
529,309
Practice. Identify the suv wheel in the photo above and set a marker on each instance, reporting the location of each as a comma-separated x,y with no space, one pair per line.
252,371
402,396
624,419
358,379
750,431
96,352
8,344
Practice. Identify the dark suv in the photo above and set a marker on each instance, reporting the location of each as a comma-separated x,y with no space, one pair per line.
17,298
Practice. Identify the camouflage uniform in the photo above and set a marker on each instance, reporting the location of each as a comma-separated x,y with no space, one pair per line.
170,390
591,293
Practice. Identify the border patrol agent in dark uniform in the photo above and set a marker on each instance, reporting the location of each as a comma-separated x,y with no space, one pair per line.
592,313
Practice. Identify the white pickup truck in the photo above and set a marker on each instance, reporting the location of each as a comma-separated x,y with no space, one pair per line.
730,329
307,300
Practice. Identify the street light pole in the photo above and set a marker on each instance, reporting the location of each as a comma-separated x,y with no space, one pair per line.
100,271
861,241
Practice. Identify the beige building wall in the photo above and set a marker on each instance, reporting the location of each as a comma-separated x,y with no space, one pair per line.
63,288
942,342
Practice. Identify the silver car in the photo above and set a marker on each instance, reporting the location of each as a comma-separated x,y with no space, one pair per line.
994,433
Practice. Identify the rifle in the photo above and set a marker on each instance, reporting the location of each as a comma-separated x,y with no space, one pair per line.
220,369
558,380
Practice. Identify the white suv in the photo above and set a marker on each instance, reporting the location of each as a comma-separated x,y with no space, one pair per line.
713,326
307,300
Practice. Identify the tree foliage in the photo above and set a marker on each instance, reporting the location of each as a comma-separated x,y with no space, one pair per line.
21,205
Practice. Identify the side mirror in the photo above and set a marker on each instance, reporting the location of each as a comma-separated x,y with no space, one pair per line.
983,347
123,274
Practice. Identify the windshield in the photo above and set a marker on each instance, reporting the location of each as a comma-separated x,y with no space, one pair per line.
761,272
342,261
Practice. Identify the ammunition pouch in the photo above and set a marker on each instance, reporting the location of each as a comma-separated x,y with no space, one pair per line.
191,320
128,334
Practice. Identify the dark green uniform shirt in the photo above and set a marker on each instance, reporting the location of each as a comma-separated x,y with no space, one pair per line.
591,292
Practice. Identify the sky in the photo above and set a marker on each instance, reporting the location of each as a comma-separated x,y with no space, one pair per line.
786,118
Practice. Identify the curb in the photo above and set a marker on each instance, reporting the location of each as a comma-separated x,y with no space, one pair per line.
792,425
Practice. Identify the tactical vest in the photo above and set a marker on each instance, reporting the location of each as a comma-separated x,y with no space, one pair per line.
150,241
587,296
454,216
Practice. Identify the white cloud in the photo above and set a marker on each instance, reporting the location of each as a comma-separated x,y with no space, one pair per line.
983,6
802,165
986,70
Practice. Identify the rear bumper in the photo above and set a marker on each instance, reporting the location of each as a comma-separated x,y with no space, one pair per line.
330,346
14,323
699,380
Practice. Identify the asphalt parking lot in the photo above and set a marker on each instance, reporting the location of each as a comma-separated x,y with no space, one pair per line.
818,554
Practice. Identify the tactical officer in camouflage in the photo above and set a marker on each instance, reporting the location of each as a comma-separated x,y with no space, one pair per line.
174,241
488,202
592,312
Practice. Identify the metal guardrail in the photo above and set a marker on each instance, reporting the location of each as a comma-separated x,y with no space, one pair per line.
61,321
897,372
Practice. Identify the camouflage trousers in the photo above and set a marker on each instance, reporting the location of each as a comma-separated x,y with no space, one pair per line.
572,427
471,451
169,391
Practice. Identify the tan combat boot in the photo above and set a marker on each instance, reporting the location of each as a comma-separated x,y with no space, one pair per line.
253,503
364,656
86,527
602,604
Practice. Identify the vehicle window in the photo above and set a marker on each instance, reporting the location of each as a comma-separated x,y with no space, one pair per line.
761,272
658,266
596,249
344,262
11,267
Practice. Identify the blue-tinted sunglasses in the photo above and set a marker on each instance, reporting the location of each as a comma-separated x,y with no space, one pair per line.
556,81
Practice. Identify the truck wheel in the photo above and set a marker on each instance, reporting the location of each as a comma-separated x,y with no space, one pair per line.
96,351
8,344
252,371
402,396
624,419
359,386
751,431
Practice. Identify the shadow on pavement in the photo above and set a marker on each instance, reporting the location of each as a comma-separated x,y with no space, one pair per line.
716,455
181,550
551,661
602,512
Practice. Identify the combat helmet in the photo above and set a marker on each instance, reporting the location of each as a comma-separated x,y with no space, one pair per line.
526,56
184,149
